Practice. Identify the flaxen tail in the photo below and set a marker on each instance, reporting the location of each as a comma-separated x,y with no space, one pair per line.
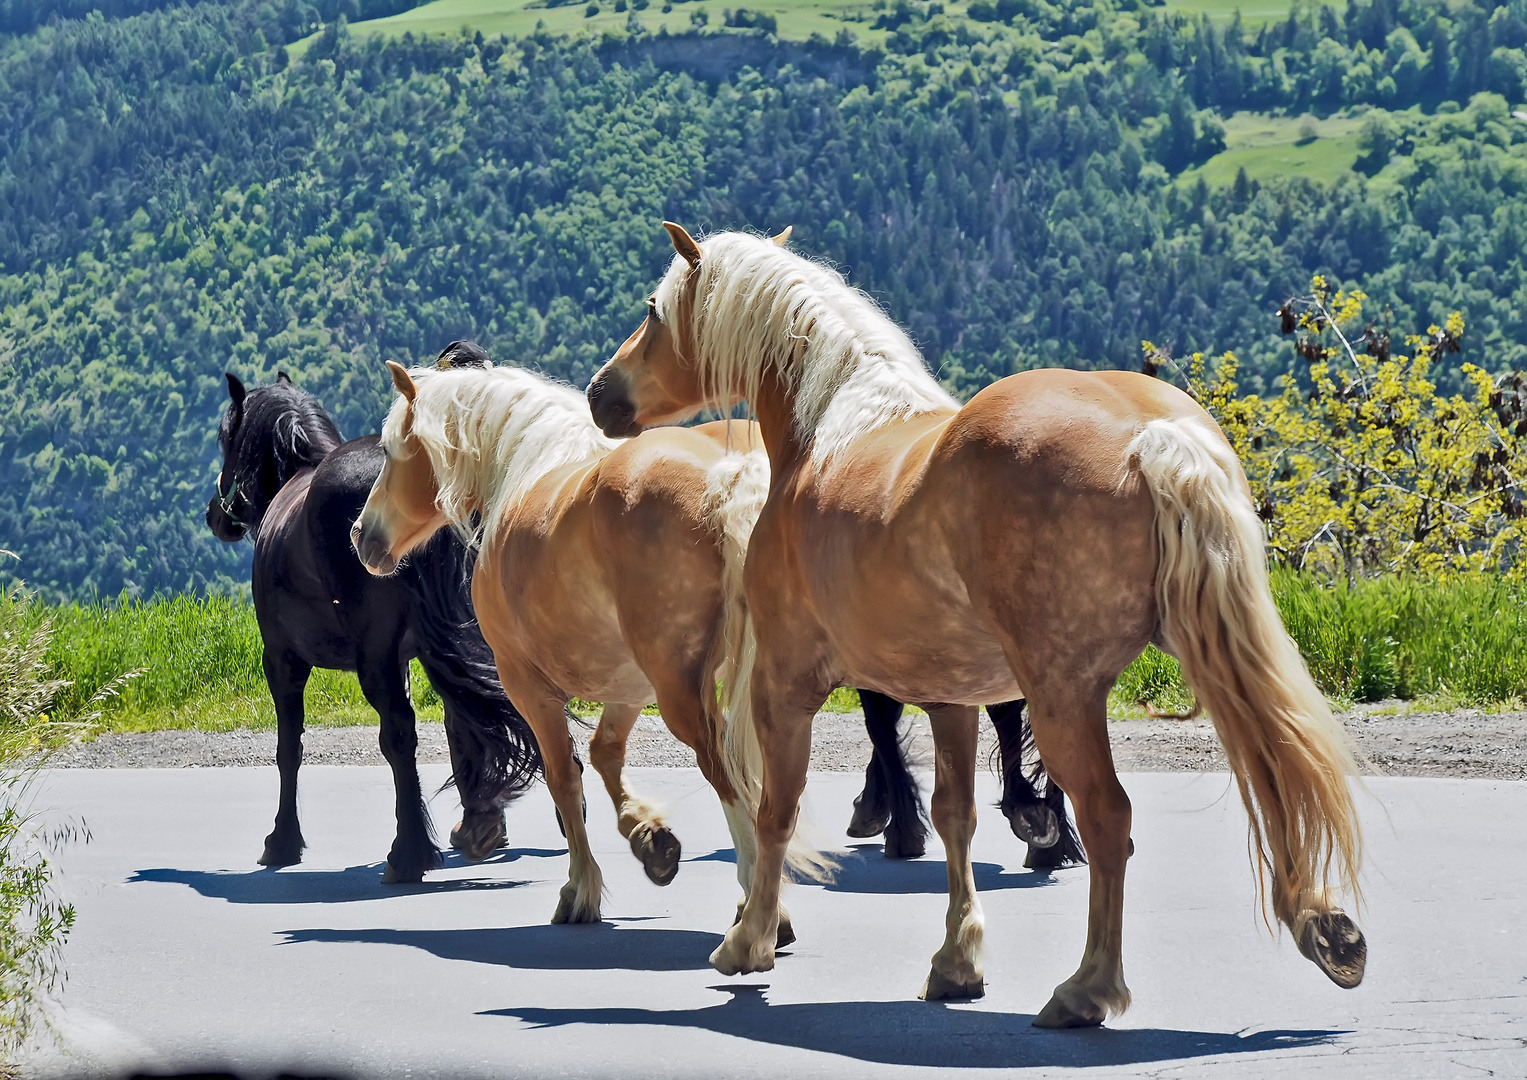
736,488
1290,757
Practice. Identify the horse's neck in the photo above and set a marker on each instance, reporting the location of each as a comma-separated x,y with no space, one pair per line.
774,410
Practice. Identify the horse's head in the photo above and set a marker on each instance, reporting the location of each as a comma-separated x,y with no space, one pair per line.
655,377
224,509
402,510
266,435
651,379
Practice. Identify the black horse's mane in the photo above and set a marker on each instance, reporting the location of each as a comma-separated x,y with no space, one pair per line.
270,434
284,422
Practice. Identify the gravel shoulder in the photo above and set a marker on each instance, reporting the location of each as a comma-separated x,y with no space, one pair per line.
1453,744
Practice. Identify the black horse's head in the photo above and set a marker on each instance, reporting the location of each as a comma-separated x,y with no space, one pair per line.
463,354
266,436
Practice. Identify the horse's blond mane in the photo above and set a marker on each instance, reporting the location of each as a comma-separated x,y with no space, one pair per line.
490,434
760,308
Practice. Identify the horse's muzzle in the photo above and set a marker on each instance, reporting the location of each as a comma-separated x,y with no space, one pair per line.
610,403
372,550
224,527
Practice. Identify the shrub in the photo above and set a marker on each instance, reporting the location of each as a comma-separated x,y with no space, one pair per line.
34,922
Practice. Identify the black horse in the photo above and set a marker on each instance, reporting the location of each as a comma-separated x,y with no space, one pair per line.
1034,805
289,480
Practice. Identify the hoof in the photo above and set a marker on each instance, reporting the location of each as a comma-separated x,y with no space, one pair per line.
1051,858
569,911
280,858
659,851
940,987
1060,1013
734,958
867,822
785,935
391,875
1035,825
1336,945
478,835
899,844
282,851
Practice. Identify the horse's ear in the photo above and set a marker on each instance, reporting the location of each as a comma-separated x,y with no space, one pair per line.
402,380
683,243
783,238
282,376
236,390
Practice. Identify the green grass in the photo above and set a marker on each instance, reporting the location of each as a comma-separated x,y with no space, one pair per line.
1447,645
1270,146
1253,12
197,661
797,19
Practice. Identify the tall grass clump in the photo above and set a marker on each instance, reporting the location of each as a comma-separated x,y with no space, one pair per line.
34,922
1456,640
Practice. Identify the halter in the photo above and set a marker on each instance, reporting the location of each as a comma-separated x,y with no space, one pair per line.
226,502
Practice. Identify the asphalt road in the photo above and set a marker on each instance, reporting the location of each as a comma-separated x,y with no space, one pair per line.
187,955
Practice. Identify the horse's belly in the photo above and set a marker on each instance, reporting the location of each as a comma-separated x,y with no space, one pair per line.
562,623
902,623
933,659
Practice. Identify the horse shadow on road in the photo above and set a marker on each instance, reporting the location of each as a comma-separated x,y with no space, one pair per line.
292,886
596,947
863,868
928,1034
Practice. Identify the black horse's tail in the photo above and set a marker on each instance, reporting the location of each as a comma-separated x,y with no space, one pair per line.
495,757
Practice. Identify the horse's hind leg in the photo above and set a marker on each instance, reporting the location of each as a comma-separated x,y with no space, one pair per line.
872,806
384,681
1070,729
483,827
1032,821
956,971
652,841
287,677
897,801
1038,820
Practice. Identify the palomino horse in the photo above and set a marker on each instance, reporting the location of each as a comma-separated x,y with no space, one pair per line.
1038,537
290,481
610,572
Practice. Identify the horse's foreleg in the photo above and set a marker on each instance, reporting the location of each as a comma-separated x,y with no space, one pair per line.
784,737
638,820
956,971
1071,733
578,902
287,677
384,681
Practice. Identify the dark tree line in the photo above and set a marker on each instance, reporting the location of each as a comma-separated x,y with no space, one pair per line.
180,195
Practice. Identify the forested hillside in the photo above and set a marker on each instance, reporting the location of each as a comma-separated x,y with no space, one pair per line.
182,193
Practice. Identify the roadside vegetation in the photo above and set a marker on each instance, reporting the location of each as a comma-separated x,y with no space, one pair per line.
34,922
194,663
197,661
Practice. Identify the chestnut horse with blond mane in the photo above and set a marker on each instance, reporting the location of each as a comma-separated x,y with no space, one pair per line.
1030,542
608,571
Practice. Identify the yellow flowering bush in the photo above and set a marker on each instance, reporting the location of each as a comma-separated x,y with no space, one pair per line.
1359,466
